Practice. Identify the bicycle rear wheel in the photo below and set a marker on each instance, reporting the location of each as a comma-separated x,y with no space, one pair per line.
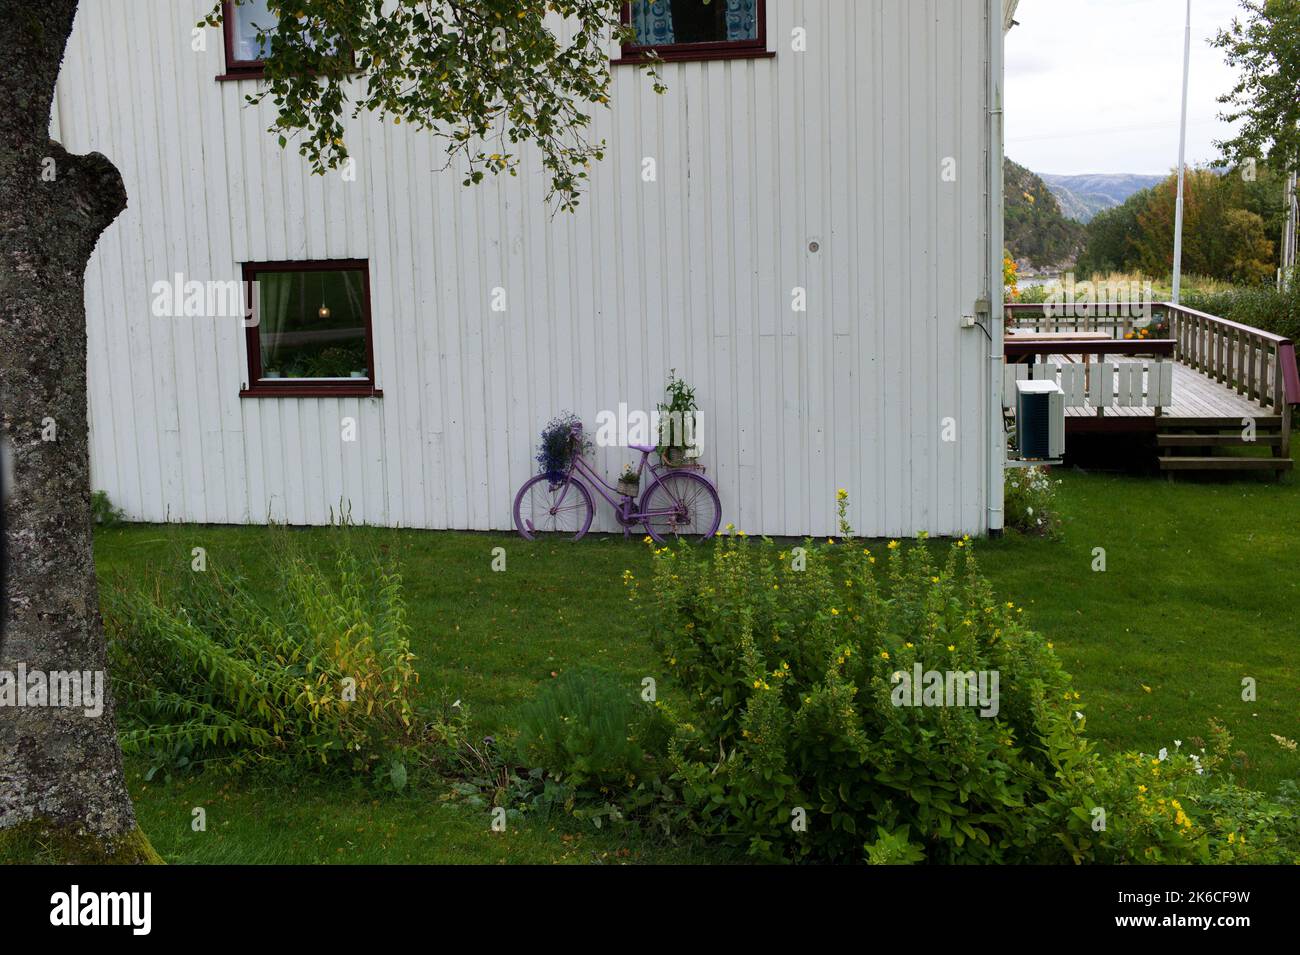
681,504
545,507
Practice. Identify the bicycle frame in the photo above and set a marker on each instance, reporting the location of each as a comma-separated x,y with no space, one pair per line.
621,503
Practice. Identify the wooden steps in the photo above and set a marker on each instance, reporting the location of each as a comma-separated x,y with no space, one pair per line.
1219,445
1224,463
1217,441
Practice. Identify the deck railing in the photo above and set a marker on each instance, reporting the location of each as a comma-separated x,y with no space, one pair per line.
1250,361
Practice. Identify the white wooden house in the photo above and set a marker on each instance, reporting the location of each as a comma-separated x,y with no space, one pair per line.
842,155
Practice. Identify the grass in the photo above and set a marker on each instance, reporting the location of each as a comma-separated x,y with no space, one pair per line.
1199,592
1162,289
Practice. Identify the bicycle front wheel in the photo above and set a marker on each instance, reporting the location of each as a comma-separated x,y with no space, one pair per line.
562,508
681,504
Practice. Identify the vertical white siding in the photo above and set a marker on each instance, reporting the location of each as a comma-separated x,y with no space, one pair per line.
841,145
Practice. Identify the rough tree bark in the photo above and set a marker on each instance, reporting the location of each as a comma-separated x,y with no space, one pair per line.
62,789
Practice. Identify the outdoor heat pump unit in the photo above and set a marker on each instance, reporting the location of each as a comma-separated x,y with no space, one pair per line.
1040,420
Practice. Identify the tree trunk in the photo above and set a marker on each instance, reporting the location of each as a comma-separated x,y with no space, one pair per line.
62,787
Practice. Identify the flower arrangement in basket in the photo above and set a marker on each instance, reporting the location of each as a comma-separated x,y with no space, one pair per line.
561,439
629,482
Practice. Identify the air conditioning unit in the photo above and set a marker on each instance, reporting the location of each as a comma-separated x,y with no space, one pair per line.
1040,420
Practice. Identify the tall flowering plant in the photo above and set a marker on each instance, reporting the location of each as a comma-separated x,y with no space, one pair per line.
799,744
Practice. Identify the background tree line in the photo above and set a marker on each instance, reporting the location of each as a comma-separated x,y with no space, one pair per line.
1232,221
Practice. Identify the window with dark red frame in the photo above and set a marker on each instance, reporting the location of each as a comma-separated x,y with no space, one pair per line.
245,48
247,27
311,334
695,29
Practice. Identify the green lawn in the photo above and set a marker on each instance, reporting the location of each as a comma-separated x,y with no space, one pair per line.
1201,590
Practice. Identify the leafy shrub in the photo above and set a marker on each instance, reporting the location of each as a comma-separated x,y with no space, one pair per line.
796,748
103,512
1174,807
790,661
1035,294
588,730
320,677
1030,501
1262,306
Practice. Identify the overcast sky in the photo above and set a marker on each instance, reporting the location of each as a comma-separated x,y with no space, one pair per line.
1095,85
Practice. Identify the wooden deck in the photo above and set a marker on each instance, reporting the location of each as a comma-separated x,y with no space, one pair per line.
1195,396
1230,388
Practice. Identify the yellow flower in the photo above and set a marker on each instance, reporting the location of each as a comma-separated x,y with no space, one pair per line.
884,654
908,645
1142,789
834,612
841,494
952,647
893,545
776,586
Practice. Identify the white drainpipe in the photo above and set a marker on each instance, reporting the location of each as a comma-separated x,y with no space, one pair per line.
997,447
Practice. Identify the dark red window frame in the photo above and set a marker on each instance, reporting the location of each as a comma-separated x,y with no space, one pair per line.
258,387
241,69
681,52
235,69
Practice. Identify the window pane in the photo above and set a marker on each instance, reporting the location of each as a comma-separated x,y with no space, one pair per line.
248,17
664,22
312,324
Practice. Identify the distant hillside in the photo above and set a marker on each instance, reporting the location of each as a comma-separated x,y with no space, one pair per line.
1082,197
1036,230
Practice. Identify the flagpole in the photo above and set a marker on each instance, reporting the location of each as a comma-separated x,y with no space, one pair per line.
1182,152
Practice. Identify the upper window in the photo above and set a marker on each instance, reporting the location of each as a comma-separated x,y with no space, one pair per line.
696,29
311,332
248,28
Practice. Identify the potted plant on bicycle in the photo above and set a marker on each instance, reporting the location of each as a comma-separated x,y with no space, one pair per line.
561,437
629,482
676,420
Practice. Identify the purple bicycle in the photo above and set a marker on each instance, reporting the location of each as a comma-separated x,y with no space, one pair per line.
677,503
